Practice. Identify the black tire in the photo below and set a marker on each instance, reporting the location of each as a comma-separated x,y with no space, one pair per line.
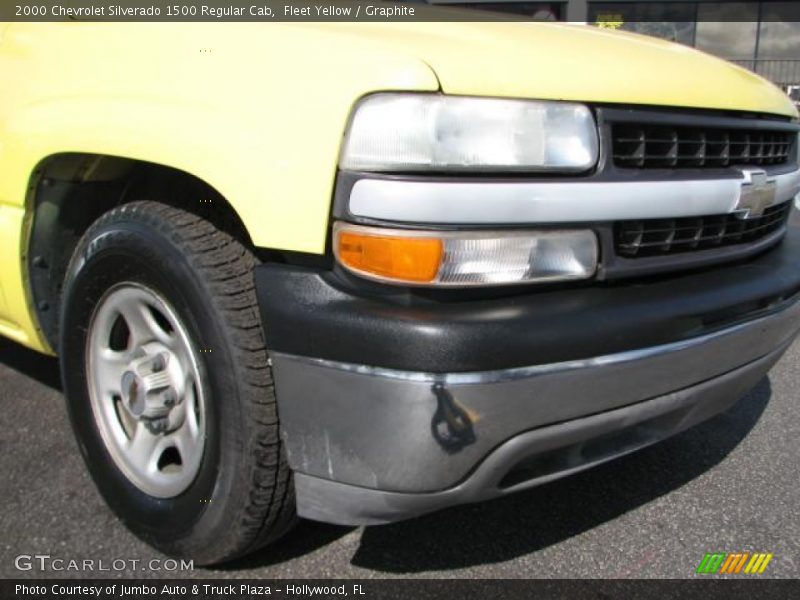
242,496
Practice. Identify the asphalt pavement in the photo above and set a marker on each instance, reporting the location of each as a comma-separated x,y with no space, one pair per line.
728,485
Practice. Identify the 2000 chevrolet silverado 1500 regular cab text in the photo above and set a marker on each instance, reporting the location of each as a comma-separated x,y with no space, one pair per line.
361,272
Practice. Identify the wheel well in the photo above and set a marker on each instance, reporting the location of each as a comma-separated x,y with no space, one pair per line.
70,191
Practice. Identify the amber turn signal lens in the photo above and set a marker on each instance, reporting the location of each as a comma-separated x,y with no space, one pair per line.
412,259
465,258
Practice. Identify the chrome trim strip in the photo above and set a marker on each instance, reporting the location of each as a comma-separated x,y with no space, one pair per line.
788,185
439,202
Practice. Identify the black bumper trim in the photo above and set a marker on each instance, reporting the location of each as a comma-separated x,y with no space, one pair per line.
310,313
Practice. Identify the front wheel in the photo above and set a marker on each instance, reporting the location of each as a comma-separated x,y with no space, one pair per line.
168,384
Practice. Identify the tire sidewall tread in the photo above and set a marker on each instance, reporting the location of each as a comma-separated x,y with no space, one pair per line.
207,276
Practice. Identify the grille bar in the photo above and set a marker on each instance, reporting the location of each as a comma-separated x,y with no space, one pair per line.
651,146
658,237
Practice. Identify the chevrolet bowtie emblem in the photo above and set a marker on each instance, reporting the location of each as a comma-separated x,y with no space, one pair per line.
757,193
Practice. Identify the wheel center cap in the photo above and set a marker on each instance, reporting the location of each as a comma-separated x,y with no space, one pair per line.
149,386
132,394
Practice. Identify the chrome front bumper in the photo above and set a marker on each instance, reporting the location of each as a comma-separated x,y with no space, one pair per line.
372,445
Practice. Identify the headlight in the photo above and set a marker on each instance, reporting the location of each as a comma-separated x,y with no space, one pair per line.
429,132
465,258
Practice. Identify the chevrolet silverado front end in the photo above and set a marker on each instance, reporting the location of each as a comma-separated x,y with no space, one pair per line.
429,265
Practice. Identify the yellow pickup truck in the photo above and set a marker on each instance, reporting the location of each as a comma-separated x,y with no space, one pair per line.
361,272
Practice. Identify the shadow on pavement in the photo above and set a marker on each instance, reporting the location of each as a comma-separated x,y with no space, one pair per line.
43,369
305,538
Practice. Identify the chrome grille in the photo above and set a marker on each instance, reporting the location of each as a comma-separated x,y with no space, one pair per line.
658,237
646,146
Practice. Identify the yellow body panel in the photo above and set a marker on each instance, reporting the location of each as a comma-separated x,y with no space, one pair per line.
559,61
258,110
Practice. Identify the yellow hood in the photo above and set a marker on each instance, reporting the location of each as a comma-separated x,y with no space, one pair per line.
574,62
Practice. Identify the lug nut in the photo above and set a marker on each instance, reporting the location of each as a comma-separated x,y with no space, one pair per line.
158,364
156,426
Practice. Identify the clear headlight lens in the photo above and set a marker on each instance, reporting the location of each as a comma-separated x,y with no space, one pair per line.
429,132
462,259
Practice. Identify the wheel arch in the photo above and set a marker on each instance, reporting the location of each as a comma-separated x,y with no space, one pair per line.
68,191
